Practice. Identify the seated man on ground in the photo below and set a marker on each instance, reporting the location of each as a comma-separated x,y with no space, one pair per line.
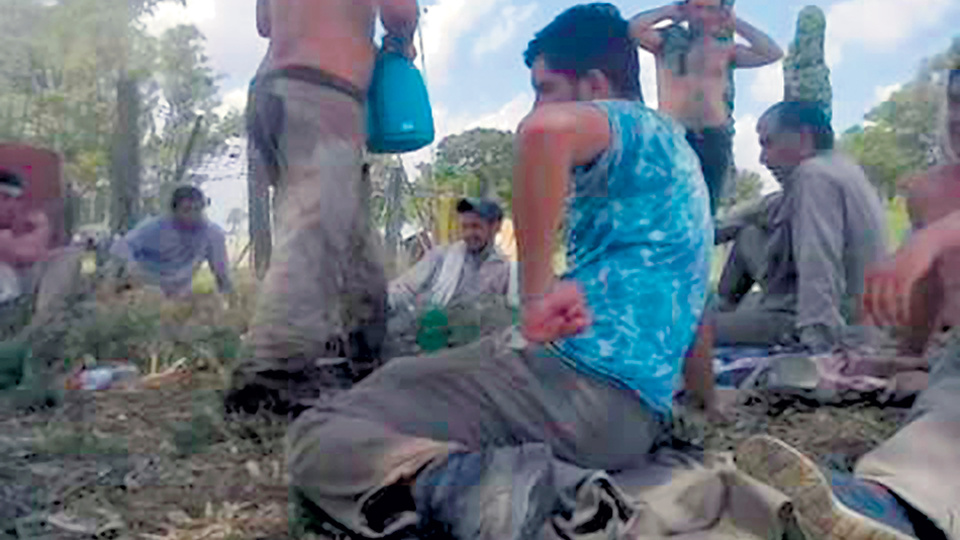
932,196
465,284
36,278
807,247
695,65
590,378
166,251
909,486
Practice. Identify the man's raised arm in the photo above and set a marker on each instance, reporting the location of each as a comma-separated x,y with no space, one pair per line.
761,49
642,26
263,18
399,17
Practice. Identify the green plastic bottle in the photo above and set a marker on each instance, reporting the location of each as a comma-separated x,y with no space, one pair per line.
433,330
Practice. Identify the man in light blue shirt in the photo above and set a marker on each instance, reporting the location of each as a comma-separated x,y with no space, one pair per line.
166,251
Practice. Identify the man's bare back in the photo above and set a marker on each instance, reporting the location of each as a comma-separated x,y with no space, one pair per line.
335,36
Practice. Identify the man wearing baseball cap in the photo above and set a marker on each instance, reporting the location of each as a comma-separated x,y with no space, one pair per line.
469,279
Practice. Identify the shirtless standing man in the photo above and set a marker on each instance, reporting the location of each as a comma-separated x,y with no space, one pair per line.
695,74
324,295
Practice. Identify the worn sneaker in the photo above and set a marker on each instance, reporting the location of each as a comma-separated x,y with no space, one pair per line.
848,510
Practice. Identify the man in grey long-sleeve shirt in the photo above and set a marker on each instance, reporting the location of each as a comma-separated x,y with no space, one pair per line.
807,246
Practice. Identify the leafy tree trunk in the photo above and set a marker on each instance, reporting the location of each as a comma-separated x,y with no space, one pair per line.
125,178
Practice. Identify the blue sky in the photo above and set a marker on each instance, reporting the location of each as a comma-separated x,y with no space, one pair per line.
473,48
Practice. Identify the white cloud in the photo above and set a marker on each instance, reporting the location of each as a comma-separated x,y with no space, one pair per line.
508,22
170,14
746,151
648,79
767,86
443,24
234,100
883,93
506,118
879,25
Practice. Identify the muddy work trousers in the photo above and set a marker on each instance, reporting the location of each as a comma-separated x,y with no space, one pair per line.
324,294
360,451
921,462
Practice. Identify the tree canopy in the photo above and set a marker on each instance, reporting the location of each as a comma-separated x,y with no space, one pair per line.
900,135
60,88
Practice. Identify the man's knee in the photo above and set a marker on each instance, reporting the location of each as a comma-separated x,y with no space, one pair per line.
59,279
753,327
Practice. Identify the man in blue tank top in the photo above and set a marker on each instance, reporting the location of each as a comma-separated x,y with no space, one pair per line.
589,378
637,220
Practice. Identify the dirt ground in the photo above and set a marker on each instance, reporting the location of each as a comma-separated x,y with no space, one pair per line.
163,464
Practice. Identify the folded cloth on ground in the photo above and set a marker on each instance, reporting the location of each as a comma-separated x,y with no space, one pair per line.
517,492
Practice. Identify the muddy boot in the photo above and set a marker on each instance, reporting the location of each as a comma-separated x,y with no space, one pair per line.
285,388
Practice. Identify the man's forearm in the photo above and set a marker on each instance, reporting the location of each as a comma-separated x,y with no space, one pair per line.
22,253
26,249
540,185
650,18
946,233
698,367
761,43
645,21
414,281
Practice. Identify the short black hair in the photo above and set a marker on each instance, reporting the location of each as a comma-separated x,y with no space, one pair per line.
804,115
186,193
11,183
586,37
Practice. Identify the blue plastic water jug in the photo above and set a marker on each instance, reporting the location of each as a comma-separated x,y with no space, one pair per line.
399,117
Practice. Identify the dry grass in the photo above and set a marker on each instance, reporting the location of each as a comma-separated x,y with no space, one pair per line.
164,464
